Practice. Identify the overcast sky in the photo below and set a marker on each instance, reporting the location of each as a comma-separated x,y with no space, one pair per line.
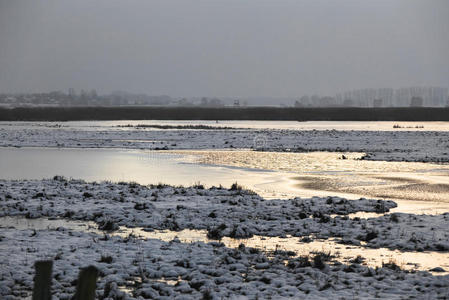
228,48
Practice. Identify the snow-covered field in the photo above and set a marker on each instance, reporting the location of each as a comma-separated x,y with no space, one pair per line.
154,269
379,145
157,269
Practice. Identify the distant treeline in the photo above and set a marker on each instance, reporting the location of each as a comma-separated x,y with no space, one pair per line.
225,113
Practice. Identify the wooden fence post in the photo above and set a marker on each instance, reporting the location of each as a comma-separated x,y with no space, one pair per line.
87,281
42,280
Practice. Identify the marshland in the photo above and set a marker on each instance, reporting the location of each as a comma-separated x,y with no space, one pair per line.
275,214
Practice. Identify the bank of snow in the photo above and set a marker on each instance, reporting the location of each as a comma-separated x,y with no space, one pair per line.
223,212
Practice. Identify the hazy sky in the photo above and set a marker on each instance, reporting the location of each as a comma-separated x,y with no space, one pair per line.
241,48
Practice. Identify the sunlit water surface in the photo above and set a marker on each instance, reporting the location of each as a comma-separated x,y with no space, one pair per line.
411,260
292,125
417,187
144,167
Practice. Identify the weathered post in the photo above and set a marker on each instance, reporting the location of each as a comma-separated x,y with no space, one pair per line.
42,280
87,281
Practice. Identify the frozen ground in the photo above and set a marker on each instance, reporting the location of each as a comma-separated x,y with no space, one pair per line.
223,212
379,145
157,269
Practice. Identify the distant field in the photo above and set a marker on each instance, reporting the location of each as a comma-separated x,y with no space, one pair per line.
224,113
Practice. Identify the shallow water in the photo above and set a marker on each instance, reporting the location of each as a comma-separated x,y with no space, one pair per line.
270,174
326,173
343,253
144,167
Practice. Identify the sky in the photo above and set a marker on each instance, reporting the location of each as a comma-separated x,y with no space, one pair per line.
227,48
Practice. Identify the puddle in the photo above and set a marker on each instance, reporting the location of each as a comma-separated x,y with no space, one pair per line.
344,253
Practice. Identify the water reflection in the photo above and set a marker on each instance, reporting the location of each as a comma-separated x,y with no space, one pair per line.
291,125
343,253
346,175
144,167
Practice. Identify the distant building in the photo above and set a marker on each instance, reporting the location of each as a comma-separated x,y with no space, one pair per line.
431,96
377,103
348,102
386,95
416,102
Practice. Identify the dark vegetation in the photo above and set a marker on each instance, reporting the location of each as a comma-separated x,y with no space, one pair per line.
202,127
225,113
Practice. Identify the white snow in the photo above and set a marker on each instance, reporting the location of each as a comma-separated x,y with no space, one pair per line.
378,145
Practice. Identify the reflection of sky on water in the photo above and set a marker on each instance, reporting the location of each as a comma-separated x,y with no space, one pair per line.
291,175
294,125
325,173
145,167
